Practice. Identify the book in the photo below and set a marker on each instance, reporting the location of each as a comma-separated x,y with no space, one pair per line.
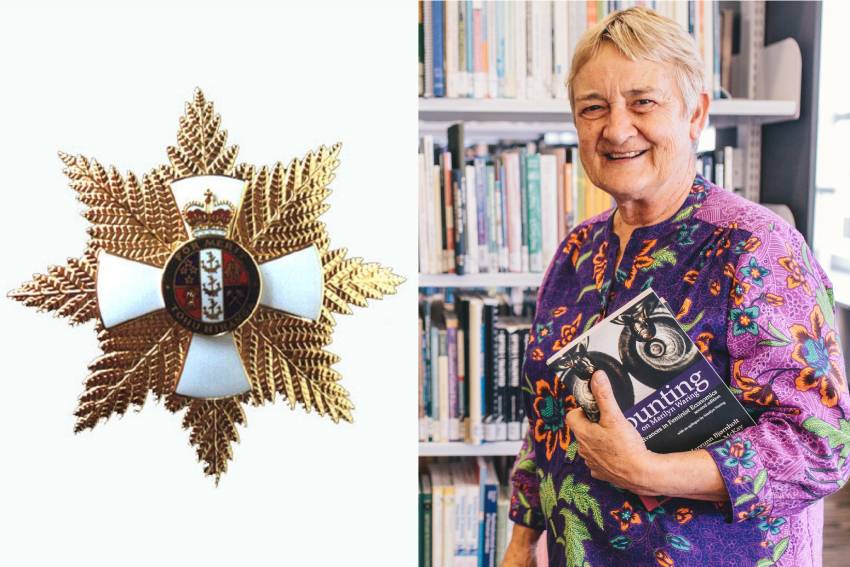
425,521
666,388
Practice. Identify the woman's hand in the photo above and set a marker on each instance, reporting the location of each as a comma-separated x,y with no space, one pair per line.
613,449
522,549
615,452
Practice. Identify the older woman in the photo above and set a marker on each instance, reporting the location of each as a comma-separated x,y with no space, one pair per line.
749,293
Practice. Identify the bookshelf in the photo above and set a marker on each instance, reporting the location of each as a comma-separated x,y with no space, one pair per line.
455,449
556,113
485,280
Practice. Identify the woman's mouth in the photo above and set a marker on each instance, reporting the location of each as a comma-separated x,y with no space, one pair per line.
624,156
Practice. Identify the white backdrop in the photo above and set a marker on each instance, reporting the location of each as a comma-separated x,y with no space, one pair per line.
111,83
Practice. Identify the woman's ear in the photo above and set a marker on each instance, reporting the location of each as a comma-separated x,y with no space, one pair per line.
699,116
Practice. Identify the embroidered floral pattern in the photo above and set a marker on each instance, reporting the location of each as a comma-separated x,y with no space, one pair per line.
795,276
744,320
737,452
600,263
550,415
819,356
568,333
626,516
755,272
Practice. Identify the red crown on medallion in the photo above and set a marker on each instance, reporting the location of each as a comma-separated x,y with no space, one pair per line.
213,216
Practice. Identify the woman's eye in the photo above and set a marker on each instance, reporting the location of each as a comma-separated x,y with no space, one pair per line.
591,108
645,102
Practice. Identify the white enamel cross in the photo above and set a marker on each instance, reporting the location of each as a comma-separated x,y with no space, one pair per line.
127,289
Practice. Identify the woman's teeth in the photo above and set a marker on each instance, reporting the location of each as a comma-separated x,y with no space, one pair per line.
626,155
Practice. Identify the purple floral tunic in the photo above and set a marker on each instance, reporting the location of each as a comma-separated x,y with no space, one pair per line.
760,308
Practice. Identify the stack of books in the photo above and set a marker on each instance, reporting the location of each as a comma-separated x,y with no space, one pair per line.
488,49
472,347
501,208
463,514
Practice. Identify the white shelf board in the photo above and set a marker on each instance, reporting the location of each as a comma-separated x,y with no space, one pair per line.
554,111
456,449
481,280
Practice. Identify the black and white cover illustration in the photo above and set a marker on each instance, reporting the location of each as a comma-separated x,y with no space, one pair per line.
663,384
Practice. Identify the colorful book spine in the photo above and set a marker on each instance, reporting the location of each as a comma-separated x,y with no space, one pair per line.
437,29
533,213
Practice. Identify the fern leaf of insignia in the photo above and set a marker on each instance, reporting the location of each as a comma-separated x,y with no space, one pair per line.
201,145
69,291
140,356
281,207
213,430
297,368
136,220
350,281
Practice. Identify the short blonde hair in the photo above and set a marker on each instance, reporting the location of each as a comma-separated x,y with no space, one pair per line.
640,33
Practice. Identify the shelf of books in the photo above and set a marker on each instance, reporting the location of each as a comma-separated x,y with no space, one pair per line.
463,512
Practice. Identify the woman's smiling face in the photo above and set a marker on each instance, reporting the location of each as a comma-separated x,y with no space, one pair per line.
635,137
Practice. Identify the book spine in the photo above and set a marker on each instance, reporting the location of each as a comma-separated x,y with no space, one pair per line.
470,49
451,48
523,346
492,221
435,383
427,523
423,216
423,385
474,356
504,263
443,385
481,211
549,210
421,48
520,54
422,530
502,357
490,506
448,213
534,218
462,387
428,32
452,383
513,214
437,15
459,224
438,525
437,218
501,71
463,31
492,49
523,218
471,221
443,210
513,377
479,77
489,374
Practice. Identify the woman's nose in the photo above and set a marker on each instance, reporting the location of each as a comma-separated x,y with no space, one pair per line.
619,127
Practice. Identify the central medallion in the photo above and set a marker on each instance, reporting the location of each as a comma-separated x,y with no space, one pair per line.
210,285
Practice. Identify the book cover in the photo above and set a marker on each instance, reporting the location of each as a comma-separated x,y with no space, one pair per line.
667,390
